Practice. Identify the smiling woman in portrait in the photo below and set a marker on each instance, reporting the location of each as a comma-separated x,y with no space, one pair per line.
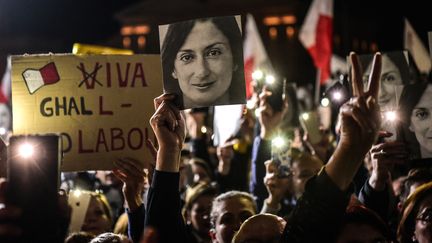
394,75
202,62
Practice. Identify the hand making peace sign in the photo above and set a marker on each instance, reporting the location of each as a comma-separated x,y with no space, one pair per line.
360,117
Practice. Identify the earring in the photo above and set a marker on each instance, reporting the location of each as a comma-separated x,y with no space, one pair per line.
174,75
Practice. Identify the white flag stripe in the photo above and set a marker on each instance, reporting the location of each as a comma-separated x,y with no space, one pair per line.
253,46
418,51
33,79
6,80
308,30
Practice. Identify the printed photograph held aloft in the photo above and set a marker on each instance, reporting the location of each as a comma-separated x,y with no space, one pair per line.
415,119
202,61
394,75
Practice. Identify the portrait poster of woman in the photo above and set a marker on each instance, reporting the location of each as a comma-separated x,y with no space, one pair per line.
415,119
202,61
394,75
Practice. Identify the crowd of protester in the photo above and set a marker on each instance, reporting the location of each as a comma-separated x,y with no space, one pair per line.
359,189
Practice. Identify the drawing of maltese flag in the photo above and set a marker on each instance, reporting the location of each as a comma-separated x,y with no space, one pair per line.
37,78
316,35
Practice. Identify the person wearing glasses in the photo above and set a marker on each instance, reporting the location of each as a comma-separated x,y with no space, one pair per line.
416,221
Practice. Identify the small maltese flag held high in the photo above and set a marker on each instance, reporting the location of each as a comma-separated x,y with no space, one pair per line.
316,35
35,79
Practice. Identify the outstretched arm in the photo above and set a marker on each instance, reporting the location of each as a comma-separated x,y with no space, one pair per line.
163,205
360,121
320,210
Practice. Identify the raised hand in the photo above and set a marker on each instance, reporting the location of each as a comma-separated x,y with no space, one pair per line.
167,123
269,118
276,186
134,178
169,127
360,120
225,154
383,157
360,117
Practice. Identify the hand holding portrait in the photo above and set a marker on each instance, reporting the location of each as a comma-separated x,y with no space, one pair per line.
383,158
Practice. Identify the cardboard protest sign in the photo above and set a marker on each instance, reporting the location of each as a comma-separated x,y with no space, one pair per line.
100,104
394,75
202,61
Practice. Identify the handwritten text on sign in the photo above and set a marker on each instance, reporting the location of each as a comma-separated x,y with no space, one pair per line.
100,104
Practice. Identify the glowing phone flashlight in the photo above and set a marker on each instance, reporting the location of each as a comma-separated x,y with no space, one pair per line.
26,150
390,116
337,95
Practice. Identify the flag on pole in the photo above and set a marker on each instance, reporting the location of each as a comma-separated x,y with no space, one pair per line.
316,36
418,51
5,89
254,53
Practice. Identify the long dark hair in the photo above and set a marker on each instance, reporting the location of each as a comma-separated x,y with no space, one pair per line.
397,58
174,40
410,97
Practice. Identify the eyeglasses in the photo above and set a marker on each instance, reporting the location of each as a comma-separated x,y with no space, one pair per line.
426,216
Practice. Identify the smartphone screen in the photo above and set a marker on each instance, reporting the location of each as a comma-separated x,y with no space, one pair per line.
310,123
33,175
79,202
280,155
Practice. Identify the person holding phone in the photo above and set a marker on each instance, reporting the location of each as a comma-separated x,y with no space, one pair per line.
202,62
320,211
270,119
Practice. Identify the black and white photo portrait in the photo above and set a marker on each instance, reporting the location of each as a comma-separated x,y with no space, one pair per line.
202,61
416,119
394,75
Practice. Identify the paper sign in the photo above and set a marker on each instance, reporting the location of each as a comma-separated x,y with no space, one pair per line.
100,104
202,62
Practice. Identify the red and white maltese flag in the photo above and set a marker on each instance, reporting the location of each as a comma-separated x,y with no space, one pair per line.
316,35
35,79
5,89
254,54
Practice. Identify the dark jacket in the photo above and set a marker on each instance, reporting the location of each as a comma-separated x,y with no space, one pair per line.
318,215
261,152
378,201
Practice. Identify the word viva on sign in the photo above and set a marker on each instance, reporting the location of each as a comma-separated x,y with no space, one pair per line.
71,106
125,75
